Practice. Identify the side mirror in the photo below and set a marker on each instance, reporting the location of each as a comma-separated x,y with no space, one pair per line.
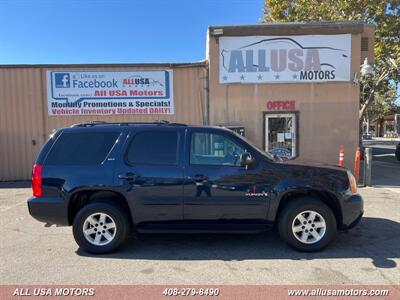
246,159
278,158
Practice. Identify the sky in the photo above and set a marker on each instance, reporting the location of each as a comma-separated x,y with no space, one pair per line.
114,31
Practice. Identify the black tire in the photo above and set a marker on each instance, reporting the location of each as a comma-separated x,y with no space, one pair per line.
293,209
121,224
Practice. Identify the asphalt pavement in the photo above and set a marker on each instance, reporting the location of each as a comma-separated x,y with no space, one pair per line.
385,166
34,254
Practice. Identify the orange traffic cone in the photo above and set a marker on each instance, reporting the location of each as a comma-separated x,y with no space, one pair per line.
341,156
357,165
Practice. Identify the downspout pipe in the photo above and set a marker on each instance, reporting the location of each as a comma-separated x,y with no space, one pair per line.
206,96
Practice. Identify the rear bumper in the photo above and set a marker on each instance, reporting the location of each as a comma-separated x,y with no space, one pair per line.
352,211
49,210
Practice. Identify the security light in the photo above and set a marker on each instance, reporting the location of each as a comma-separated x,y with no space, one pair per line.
366,68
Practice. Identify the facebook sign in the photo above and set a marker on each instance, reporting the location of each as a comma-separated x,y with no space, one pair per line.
62,80
109,92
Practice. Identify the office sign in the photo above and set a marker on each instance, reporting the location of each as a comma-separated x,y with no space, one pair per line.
291,59
281,105
110,92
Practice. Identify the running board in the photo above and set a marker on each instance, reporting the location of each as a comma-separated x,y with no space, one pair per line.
203,228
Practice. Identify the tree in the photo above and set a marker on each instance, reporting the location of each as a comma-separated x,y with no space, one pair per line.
383,105
384,14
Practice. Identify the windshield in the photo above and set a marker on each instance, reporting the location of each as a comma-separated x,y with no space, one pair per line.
263,153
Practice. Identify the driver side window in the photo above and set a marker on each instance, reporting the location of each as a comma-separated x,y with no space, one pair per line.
214,149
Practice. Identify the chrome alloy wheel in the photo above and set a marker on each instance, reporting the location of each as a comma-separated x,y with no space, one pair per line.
99,229
309,227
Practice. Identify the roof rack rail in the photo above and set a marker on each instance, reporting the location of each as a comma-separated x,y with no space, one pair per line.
162,121
92,123
165,122
157,122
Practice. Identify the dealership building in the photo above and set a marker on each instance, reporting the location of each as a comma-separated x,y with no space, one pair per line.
291,88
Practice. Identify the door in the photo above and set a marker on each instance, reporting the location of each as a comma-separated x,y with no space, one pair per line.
280,134
152,175
216,187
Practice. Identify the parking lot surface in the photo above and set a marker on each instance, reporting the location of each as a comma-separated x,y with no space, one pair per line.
33,254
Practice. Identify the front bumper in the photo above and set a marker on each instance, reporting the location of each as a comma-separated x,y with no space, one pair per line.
352,211
49,210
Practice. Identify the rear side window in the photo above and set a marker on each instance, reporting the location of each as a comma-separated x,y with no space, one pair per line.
83,148
154,147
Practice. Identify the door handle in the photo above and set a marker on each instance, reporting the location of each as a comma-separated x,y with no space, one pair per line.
128,176
200,177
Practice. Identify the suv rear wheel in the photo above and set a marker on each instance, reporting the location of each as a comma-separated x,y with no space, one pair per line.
307,224
100,227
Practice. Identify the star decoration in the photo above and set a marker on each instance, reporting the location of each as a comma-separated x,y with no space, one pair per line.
225,78
242,77
277,76
259,77
294,76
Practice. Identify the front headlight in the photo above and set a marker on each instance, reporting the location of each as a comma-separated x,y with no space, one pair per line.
352,182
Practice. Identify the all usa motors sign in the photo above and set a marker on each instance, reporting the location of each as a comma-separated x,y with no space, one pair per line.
109,92
294,59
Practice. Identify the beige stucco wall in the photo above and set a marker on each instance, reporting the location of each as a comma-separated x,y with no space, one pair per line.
327,112
25,124
21,121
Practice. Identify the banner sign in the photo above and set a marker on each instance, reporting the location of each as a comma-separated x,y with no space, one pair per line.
109,92
292,59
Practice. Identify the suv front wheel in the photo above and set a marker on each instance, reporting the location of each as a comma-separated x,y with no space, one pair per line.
307,224
100,227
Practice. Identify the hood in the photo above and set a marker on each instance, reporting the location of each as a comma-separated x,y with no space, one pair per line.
320,176
315,165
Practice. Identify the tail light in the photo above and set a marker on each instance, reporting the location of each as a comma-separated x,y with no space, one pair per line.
37,181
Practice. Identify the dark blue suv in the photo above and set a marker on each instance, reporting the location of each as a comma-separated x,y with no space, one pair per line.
106,179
